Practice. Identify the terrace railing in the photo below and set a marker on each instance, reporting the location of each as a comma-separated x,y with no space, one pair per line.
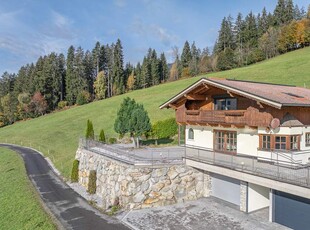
142,157
293,173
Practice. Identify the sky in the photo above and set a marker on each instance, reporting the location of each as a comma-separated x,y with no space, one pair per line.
31,28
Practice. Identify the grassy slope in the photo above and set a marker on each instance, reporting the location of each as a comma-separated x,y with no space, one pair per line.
19,207
59,132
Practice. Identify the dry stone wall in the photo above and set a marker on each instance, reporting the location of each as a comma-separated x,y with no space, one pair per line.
136,187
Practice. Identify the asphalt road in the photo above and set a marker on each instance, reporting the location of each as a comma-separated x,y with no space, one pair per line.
71,210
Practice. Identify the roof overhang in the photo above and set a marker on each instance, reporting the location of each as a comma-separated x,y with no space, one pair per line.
221,86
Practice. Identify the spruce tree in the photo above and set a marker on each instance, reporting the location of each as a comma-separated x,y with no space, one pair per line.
119,83
186,55
164,71
279,13
70,97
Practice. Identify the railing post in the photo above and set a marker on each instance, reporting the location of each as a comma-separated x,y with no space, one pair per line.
231,162
308,176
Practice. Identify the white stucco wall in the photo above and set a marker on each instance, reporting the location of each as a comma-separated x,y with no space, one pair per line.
247,139
258,197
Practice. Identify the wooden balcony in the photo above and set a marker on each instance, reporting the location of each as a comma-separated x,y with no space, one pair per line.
250,117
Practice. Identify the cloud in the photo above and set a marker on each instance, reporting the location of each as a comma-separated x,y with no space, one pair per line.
120,3
59,26
153,30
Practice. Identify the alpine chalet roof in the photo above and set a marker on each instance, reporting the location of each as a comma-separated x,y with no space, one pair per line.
275,95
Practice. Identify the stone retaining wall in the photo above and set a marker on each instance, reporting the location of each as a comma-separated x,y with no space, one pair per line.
140,187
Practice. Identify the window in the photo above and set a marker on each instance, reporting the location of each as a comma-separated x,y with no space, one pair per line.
280,142
307,139
277,142
225,104
294,142
191,134
225,141
266,144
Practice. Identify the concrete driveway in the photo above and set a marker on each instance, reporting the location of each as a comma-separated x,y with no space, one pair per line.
206,213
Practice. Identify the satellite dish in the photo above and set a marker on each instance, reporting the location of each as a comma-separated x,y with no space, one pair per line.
275,123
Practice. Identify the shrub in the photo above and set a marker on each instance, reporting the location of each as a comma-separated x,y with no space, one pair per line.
75,171
92,182
89,130
165,129
102,136
62,104
83,98
112,140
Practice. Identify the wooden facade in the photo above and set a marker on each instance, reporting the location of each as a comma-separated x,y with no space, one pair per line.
198,108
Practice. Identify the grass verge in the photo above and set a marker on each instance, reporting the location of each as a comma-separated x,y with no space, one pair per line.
19,204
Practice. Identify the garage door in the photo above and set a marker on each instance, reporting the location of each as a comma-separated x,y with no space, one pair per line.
226,188
291,211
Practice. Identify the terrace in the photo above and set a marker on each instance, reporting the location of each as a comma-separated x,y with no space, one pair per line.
294,173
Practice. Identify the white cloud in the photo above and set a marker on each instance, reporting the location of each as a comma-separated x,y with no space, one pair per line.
153,30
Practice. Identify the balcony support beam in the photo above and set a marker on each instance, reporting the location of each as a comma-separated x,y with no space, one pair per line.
195,97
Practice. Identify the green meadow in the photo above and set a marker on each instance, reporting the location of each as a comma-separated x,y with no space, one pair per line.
57,134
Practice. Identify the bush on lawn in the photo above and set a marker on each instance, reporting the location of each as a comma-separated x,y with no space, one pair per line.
164,129
102,136
90,130
112,140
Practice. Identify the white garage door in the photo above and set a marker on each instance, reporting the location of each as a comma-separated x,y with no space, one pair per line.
226,188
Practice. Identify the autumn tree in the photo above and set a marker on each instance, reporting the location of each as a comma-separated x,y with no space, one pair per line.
38,104
131,81
100,86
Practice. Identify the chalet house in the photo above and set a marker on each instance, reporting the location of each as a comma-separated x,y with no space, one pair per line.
253,140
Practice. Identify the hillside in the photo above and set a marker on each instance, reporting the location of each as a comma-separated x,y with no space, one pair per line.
56,134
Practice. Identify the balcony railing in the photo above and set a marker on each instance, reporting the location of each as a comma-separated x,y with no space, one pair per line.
292,173
251,117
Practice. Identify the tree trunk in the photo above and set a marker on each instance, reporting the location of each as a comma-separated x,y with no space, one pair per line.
156,142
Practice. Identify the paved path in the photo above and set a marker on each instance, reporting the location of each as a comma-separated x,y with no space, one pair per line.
72,211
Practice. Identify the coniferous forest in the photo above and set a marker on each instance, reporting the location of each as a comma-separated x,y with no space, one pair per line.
80,76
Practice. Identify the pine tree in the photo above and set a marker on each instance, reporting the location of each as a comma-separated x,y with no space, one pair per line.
193,65
279,13
289,11
96,58
226,35
186,55
146,73
118,69
297,13
164,72
70,96
155,68
138,74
